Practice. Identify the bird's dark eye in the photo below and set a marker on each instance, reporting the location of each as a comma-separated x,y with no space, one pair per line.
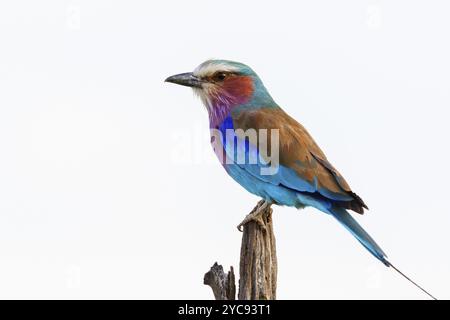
219,76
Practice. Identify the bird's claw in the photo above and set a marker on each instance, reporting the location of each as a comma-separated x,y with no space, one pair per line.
258,219
255,215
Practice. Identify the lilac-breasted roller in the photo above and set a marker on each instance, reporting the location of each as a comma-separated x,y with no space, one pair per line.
238,102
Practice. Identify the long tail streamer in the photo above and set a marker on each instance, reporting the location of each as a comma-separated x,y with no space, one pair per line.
409,279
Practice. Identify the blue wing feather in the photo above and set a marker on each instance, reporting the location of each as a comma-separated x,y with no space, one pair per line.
285,187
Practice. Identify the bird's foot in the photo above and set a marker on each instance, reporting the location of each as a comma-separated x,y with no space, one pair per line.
256,215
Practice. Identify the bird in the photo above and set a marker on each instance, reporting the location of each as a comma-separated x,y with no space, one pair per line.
299,175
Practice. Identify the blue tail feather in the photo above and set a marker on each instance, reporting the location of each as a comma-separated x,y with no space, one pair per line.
359,233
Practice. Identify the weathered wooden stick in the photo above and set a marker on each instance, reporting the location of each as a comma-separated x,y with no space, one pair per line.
258,265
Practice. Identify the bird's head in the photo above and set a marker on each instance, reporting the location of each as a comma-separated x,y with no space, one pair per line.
223,85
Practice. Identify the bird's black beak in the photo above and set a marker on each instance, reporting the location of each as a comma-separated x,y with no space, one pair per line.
185,79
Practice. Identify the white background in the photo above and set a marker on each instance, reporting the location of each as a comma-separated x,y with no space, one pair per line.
109,189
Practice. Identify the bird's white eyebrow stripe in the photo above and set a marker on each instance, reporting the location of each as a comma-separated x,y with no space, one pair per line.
209,68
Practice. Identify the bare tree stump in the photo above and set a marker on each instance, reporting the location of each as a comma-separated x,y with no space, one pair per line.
258,265
223,285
